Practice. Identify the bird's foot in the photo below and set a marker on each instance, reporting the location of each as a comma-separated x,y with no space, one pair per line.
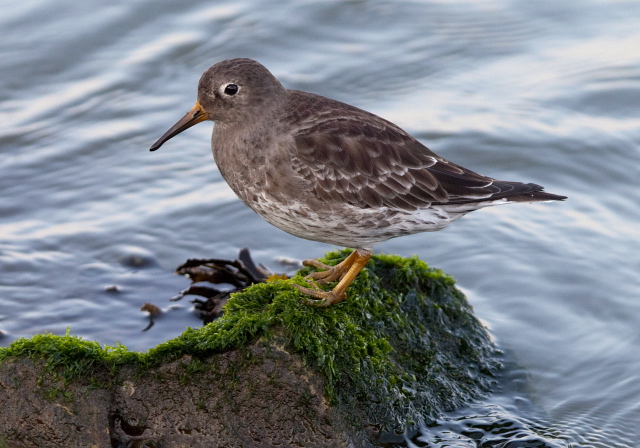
329,274
344,272
320,298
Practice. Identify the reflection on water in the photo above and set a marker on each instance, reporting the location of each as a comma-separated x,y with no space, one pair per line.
92,225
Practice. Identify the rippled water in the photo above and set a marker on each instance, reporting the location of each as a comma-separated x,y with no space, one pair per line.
92,224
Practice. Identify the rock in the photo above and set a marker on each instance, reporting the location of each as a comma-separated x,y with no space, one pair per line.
271,372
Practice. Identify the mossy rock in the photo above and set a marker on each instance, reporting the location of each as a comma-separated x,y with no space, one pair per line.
402,349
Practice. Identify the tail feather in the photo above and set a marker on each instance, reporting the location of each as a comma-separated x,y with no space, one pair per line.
536,193
503,192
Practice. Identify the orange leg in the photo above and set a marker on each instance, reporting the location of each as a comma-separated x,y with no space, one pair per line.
345,272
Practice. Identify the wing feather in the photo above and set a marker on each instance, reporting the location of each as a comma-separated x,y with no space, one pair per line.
349,155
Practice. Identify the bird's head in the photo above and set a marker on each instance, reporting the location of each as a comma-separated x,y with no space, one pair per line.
234,91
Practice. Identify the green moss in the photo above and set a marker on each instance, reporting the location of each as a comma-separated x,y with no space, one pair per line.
403,346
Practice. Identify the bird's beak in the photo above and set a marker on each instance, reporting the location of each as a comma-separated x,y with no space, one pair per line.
194,116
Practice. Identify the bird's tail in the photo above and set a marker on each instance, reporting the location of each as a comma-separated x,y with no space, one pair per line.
535,193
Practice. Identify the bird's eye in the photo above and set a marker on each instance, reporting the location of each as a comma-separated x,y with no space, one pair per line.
231,89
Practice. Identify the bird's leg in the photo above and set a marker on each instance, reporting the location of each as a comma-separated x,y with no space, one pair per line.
346,272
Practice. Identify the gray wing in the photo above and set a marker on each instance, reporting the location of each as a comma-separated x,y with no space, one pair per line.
366,161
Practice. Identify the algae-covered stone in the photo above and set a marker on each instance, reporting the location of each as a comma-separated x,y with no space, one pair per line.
273,371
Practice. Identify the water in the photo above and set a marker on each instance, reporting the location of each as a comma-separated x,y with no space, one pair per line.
92,224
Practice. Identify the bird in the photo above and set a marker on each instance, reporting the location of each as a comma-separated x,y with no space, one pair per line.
326,171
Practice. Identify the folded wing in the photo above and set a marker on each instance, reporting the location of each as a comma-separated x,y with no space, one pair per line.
373,163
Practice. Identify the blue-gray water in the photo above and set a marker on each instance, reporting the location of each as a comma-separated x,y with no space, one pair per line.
92,224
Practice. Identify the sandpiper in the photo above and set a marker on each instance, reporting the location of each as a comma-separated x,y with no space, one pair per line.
326,171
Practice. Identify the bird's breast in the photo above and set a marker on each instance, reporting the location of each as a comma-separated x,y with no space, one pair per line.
249,163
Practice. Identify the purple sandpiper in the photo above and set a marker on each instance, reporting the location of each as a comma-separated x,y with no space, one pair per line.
326,171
